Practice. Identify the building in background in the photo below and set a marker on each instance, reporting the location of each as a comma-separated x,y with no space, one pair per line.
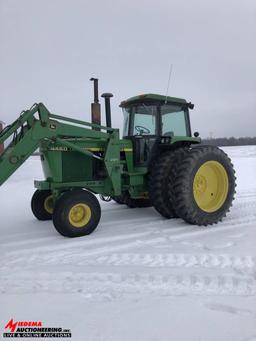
1,128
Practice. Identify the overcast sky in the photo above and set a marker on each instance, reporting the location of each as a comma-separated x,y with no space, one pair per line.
50,48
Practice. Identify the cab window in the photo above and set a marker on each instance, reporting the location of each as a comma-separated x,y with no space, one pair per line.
173,121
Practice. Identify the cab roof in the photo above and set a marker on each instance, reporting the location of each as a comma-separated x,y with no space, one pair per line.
152,98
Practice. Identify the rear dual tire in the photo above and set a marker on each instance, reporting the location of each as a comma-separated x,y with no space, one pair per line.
204,186
159,180
195,184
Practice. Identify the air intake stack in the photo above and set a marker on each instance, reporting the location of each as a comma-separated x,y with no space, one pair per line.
107,97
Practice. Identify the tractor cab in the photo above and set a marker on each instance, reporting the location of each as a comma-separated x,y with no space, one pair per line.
151,120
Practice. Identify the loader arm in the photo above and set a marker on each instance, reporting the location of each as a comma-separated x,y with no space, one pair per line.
36,125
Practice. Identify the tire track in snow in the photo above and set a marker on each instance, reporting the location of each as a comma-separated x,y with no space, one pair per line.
176,260
73,256
118,284
246,194
11,237
192,232
84,242
75,249
171,260
8,240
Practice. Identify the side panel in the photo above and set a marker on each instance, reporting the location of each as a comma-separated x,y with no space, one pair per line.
76,166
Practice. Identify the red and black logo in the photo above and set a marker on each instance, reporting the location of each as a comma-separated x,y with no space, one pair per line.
33,329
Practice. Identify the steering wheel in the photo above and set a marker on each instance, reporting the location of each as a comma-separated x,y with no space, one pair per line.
142,130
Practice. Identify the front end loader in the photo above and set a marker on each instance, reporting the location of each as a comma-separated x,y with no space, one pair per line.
157,163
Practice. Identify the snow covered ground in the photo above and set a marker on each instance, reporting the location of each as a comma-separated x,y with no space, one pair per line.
138,276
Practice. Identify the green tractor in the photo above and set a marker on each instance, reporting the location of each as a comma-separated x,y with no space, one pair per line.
157,163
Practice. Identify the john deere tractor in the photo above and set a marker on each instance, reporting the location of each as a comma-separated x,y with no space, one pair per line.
157,163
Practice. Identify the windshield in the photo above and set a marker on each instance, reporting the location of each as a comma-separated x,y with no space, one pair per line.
143,120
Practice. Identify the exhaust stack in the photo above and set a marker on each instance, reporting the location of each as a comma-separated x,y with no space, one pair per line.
95,106
107,97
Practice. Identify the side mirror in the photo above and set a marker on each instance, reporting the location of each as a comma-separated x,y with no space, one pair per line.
196,133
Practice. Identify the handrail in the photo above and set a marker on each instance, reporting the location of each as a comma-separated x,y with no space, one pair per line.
72,120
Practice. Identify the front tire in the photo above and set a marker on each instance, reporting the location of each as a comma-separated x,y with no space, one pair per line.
204,187
42,205
76,213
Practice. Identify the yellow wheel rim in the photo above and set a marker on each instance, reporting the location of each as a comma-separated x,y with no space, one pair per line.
48,204
210,186
80,215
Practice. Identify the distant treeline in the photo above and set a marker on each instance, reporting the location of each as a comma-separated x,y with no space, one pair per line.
230,141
